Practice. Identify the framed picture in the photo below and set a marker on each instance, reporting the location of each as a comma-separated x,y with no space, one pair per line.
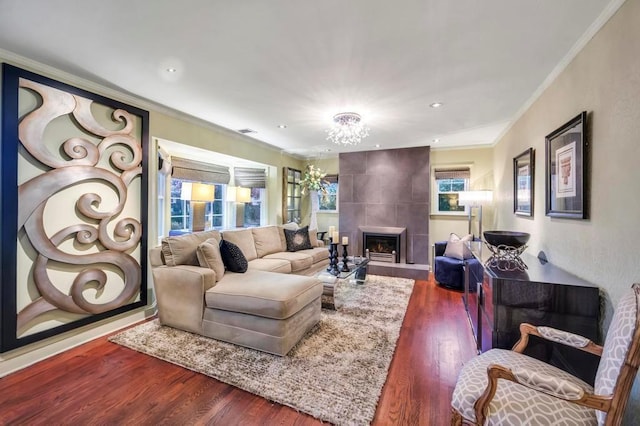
523,183
565,152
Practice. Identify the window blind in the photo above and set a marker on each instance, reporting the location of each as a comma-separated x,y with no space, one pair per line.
250,178
331,178
199,172
453,173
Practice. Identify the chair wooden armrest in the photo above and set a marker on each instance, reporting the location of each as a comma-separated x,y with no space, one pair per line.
527,330
529,380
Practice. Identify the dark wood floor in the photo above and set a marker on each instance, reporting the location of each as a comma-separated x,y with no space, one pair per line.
103,383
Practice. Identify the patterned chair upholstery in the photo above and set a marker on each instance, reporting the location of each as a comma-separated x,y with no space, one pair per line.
507,387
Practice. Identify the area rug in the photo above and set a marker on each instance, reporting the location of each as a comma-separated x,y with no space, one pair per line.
335,373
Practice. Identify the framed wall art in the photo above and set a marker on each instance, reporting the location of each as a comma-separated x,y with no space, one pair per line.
523,183
566,170
73,208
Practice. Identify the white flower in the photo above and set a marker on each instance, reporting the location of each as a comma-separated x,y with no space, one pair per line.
313,180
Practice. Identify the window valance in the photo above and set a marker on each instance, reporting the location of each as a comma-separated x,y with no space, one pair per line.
199,172
331,178
249,177
453,173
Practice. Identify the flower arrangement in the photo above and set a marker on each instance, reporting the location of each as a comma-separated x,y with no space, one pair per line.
313,180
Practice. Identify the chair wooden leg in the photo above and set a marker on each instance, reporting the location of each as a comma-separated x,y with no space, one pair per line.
456,418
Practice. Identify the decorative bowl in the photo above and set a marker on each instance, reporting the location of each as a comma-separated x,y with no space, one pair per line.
508,238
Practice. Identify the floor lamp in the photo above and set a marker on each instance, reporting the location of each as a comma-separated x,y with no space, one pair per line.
473,199
198,194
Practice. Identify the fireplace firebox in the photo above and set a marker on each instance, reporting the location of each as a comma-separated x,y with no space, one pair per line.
384,244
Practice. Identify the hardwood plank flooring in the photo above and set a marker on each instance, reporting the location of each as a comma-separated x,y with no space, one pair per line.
103,383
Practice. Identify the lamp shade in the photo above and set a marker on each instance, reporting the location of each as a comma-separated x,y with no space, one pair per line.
475,198
193,191
243,195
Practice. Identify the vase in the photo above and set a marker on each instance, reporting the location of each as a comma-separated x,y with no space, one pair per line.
315,206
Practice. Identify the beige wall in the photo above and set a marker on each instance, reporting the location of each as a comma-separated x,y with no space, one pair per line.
480,161
604,80
325,220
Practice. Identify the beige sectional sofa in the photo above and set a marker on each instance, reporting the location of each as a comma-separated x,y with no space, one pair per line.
269,307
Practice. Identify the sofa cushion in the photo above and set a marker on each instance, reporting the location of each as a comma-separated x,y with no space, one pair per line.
232,257
264,294
209,256
298,239
244,240
267,240
299,260
318,254
259,325
181,249
272,265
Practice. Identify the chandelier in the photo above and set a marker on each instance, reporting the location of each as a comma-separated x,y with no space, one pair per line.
347,129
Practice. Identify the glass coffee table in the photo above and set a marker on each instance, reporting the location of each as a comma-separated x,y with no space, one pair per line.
357,274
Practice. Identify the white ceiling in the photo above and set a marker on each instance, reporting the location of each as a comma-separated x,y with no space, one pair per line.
257,64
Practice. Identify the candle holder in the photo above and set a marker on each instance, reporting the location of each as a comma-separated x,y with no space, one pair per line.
345,267
333,260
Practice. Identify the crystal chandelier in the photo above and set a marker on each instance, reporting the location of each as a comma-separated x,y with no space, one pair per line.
347,129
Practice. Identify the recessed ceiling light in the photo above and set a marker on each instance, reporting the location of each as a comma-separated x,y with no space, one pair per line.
282,126
436,140
172,70
436,105
377,145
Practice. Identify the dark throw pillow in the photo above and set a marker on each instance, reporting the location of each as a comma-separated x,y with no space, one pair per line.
298,239
232,257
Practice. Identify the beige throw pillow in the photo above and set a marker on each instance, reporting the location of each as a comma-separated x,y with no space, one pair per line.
457,247
181,249
209,257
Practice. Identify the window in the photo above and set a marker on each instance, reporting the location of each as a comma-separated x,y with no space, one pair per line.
448,184
181,209
329,203
214,210
253,210
292,195
162,188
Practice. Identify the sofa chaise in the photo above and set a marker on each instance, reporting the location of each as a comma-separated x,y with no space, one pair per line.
269,307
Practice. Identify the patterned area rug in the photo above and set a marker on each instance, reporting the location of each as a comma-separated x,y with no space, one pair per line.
336,372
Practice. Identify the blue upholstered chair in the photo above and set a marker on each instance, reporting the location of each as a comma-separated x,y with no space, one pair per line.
449,272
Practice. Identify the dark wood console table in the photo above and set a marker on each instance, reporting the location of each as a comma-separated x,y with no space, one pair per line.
541,294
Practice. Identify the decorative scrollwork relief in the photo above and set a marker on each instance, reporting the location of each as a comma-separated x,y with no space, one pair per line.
103,239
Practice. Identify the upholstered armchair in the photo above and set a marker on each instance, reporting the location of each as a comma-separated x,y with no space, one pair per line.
508,387
449,271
